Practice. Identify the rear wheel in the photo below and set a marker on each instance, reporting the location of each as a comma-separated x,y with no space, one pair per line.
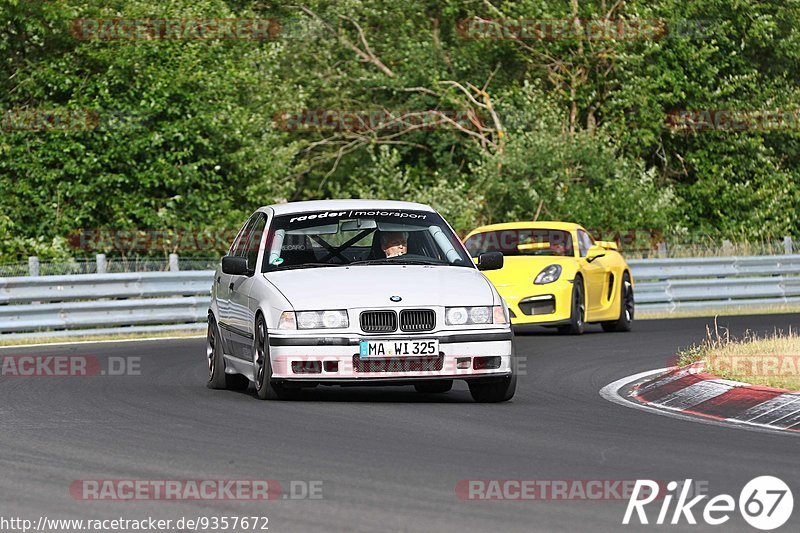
266,388
217,378
626,305
434,387
577,318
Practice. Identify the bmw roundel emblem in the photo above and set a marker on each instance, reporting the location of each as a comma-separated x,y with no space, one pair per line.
395,298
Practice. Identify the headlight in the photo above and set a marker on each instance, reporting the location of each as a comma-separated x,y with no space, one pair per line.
548,274
480,315
456,316
459,316
314,319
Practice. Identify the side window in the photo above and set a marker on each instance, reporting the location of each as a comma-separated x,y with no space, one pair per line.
241,238
254,239
585,242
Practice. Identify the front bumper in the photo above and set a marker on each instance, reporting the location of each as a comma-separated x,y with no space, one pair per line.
335,358
543,305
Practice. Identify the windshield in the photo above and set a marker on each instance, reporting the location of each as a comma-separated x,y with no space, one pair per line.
363,237
521,242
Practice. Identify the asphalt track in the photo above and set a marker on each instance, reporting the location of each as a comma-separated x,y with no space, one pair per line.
390,458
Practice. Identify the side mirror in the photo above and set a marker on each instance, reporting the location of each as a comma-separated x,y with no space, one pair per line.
490,261
235,266
595,252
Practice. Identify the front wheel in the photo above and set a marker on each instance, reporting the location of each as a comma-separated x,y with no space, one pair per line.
626,305
493,391
266,388
577,316
217,377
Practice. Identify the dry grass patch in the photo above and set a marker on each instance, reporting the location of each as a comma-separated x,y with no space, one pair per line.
778,309
772,360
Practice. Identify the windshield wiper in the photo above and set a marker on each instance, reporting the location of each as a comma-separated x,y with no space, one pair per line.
392,261
280,268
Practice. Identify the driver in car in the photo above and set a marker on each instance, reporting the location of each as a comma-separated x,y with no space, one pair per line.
394,243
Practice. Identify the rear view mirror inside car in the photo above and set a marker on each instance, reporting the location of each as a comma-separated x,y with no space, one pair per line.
357,224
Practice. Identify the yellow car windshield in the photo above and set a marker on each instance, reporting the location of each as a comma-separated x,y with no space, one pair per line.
521,242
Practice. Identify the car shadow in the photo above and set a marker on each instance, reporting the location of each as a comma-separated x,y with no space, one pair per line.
528,331
372,394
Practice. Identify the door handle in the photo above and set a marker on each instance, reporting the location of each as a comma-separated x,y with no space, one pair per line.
218,278
230,286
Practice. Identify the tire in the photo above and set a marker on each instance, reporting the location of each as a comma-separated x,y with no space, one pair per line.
434,387
577,316
626,308
236,382
217,378
266,388
494,391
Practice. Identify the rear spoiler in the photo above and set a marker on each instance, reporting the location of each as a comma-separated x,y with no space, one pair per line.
608,245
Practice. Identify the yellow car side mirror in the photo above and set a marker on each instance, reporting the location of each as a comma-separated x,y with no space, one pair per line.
595,252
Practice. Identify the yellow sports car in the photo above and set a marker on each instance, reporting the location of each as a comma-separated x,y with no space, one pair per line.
555,274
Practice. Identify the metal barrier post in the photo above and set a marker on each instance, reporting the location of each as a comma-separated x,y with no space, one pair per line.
727,247
33,266
102,264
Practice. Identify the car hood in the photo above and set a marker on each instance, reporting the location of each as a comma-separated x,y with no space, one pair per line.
524,269
373,285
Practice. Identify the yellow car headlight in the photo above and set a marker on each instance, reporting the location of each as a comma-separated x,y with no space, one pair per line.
549,274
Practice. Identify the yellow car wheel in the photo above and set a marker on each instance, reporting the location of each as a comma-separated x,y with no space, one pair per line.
577,318
626,308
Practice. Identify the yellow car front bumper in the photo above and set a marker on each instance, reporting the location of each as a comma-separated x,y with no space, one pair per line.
549,304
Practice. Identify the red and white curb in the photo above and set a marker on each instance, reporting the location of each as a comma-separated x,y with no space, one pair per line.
692,391
691,394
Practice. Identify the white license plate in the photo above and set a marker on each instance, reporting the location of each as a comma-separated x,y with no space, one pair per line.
398,348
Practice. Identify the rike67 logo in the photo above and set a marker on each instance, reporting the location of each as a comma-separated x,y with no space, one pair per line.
765,503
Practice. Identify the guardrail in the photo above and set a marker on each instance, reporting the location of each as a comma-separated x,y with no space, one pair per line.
716,283
41,306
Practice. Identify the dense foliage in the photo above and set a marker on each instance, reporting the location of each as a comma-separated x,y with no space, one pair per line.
191,133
